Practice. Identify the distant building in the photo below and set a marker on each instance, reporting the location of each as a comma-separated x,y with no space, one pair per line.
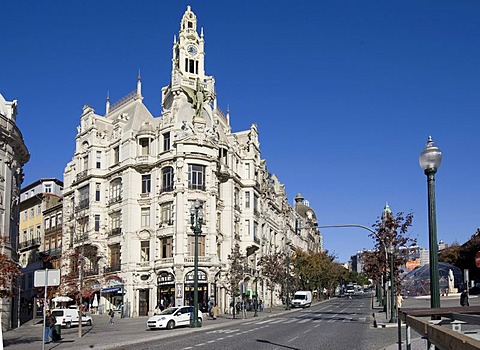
133,179
14,155
40,235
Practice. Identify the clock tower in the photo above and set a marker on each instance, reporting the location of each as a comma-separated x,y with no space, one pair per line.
191,94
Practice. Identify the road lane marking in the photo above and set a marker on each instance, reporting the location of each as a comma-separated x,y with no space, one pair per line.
293,339
305,320
290,320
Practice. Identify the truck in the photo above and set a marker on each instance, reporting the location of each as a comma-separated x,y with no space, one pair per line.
302,298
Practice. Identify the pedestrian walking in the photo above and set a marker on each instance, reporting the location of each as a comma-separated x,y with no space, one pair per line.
50,321
111,313
215,311
399,301
464,298
244,308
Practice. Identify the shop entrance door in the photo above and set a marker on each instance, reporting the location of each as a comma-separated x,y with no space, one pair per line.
143,302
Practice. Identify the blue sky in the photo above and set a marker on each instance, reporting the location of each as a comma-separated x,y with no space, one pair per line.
344,93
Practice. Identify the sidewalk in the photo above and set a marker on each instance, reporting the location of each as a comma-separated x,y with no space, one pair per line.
124,332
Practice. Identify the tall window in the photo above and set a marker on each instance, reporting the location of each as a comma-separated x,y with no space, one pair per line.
115,256
167,179
236,198
144,146
47,223
38,232
166,209
48,188
83,197
196,177
98,163
116,155
144,251
32,212
166,247
255,203
146,183
115,220
39,209
116,190
53,221
145,215
166,141
59,219
247,170
247,227
85,163
97,222
201,245
247,199
97,192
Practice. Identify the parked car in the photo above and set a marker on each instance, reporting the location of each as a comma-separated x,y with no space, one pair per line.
173,317
70,317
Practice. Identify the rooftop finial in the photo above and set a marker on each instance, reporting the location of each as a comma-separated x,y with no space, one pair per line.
107,103
139,84
201,32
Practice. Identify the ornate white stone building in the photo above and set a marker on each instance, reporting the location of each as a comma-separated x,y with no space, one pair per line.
13,155
134,177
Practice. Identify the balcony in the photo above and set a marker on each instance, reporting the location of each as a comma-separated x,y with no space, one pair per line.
201,259
111,269
82,175
166,189
81,238
54,252
164,261
115,232
114,200
31,243
83,204
91,272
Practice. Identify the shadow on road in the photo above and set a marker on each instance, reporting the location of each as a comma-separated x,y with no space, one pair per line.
269,342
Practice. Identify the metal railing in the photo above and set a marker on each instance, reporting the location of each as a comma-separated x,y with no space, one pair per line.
435,331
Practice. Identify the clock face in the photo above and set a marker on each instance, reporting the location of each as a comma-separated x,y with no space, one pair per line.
192,50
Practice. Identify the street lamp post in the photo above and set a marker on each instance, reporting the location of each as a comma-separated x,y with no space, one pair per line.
256,295
393,318
287,259
196,219
430,160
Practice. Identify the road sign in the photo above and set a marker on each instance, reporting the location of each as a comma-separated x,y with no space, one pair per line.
477,259
43,278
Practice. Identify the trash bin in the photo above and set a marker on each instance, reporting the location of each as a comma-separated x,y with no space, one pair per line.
57,332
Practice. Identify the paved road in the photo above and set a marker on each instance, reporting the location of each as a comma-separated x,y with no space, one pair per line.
331,324
336,324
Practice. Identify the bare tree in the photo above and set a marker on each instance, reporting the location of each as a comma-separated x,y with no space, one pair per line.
272,268
235,273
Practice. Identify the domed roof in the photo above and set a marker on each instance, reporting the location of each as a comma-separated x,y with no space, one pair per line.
302,209
147,127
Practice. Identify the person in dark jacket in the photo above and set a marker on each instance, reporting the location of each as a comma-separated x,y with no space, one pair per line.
50,321
464,298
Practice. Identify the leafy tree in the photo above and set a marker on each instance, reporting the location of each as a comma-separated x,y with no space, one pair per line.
272,268
9,272
235,273
451,255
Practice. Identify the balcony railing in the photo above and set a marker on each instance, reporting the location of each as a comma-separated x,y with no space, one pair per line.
81,238
54,252
116,199
201,259
91,272
81,175
199,187
110,269
115,232
166,189
83,204
30,243
164,261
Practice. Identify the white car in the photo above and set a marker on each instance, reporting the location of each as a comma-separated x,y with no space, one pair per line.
70,317
173,317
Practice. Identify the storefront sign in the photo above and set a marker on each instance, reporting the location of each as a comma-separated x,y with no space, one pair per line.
165,278
190,277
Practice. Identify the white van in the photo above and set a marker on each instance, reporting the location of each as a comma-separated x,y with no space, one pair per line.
302,298
69,317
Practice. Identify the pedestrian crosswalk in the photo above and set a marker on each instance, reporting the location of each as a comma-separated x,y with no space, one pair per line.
313,319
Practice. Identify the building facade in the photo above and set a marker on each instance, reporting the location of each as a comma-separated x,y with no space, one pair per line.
134,178
40,236
14,155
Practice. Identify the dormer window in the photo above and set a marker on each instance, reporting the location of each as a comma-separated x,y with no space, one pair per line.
189,25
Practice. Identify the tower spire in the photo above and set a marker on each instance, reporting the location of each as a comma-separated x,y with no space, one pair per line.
107,103
139,84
